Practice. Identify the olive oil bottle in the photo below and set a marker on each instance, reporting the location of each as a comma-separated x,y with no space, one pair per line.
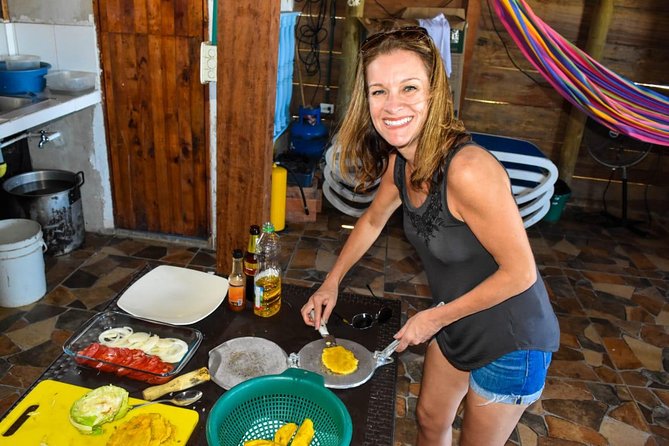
267,281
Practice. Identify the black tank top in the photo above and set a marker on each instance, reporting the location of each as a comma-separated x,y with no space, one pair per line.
456,262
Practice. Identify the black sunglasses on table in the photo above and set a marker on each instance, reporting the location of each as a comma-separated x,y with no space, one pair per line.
363,321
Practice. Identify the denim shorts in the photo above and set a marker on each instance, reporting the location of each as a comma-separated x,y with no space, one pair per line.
515,378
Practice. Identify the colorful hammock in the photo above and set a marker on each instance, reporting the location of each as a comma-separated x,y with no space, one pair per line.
608,98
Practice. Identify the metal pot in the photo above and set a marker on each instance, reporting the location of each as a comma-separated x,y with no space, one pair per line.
53,199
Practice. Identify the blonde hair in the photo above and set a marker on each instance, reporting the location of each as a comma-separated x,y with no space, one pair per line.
365,152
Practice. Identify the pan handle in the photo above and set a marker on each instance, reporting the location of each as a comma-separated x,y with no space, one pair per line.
385,356
390,349
80,178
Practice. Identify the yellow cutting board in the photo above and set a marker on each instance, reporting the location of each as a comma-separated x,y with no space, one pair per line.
49,424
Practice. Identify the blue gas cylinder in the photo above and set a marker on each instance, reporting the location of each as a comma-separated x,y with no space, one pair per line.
308,135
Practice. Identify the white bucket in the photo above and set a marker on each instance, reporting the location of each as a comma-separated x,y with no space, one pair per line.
22,274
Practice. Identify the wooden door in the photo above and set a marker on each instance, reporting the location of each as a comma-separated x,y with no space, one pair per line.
155,113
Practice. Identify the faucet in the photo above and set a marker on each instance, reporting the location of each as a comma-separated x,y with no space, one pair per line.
45,137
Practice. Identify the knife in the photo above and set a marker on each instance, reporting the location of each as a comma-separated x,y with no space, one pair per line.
329,339
323,330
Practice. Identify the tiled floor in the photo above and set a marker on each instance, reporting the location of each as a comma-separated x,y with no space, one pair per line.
608,384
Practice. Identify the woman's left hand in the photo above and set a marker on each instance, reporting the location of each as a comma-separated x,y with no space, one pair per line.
420,328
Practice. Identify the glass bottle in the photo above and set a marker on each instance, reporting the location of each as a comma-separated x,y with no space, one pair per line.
251,261
236,282
267,281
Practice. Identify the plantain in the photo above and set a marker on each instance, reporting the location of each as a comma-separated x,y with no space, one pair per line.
304,434
285,433
261,443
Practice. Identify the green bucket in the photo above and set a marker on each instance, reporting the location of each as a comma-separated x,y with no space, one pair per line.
257,408
561,194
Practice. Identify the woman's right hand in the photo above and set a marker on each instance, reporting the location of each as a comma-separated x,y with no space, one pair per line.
320,305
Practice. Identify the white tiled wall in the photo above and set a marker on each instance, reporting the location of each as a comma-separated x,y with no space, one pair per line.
3,39
76,48
65,47
36,39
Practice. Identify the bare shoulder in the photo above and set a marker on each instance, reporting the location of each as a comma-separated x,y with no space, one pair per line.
473,165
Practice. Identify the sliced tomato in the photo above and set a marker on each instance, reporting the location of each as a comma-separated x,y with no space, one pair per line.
122,361
90,350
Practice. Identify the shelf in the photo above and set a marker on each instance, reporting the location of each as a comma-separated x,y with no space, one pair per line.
56,105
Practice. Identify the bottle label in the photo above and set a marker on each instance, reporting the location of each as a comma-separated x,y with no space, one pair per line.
236,296
259,296
253,241
251,266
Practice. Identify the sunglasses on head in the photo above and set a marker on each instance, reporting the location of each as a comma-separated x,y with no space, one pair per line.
363,321
414,32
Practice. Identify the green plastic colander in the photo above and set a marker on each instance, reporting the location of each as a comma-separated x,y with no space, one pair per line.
256,408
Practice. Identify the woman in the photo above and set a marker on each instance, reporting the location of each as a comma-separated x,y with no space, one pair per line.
490,342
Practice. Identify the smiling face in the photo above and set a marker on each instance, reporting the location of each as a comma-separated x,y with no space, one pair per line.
398,92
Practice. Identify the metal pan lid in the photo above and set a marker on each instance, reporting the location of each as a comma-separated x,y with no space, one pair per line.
240,359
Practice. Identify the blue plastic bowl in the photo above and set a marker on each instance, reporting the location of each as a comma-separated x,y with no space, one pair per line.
23,81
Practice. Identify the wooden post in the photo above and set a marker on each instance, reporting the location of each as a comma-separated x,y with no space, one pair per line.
473,17
349,46
248,47
602,17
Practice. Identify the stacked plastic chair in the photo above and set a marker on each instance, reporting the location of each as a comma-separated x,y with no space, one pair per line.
339,191
533,176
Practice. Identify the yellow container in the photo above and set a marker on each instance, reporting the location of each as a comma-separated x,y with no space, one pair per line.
278,199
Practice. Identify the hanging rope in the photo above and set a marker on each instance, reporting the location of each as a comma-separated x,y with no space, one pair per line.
607,97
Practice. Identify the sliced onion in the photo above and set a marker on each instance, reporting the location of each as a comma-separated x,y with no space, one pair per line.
175,352
114,336
150,343
138,339
167,349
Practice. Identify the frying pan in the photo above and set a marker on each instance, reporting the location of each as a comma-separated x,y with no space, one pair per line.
309,358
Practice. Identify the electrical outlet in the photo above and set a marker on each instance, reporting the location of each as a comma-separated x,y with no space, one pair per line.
327,108
208,62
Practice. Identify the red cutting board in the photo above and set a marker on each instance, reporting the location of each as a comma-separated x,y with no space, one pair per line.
49,423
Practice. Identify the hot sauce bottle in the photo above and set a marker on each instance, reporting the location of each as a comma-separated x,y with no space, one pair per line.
236,285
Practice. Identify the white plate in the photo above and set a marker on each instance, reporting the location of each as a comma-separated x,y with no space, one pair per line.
174,295
240,359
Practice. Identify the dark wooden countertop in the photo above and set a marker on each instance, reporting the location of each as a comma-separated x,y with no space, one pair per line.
371,405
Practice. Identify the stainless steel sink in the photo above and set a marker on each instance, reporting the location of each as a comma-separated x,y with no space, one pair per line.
13,107
11,103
